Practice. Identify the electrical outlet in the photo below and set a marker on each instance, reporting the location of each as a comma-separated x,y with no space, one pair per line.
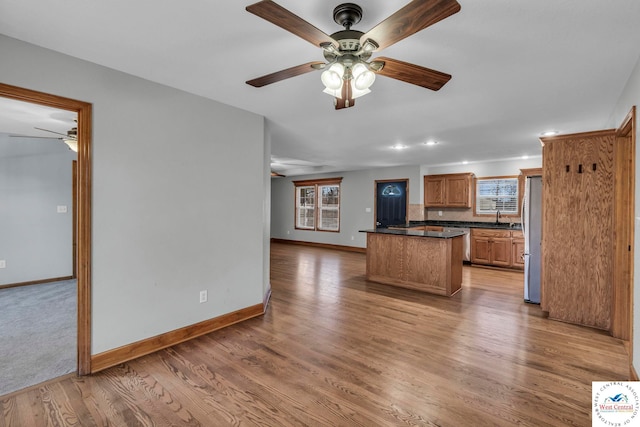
439,213
3,263
203,296
61,209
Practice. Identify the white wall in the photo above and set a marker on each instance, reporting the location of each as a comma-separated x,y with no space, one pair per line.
178,196
35,240
631,96
357,194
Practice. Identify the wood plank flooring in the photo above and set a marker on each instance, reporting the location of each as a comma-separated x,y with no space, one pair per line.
336,350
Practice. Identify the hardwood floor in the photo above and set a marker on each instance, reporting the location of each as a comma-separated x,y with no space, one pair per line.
333,349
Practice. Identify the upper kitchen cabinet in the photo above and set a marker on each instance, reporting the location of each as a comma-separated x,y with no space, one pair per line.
448,191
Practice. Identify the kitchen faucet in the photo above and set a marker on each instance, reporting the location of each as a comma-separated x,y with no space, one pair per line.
498,217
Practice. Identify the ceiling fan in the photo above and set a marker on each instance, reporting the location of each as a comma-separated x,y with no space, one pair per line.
348,73
70,138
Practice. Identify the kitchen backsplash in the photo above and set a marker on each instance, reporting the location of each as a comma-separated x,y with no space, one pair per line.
417,212
451,214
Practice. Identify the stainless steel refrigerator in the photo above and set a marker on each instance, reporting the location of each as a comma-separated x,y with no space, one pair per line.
532,229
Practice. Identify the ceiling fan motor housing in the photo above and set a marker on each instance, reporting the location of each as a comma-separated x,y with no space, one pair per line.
348,44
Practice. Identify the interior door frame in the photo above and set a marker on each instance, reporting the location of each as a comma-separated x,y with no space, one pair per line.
622,311
83,208
375,197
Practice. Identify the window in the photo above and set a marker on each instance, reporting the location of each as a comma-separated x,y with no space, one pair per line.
497,194
318,204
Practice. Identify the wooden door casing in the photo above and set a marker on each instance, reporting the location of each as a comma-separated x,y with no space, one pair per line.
83,208
391,210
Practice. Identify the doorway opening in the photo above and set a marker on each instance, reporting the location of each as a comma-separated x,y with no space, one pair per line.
82,208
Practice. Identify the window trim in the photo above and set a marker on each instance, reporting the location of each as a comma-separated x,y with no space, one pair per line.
316,183
502,215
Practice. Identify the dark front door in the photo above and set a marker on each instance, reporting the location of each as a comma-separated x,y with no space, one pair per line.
391,202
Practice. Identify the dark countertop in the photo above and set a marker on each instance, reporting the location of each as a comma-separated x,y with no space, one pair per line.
416,233
463,224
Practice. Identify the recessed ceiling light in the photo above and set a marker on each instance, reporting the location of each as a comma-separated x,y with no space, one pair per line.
431,142
525,157
465,162
549,133
399,147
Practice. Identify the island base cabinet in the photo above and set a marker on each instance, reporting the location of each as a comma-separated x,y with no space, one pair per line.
426,264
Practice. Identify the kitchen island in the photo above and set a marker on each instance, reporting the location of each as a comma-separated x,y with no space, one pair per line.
428,261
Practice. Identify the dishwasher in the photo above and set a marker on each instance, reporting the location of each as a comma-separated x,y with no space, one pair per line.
466,242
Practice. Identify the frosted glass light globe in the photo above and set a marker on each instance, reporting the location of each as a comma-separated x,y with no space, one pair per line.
332,78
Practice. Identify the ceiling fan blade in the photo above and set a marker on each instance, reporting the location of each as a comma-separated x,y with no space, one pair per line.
66,135
414,17
283,74
278,15
36,137
414,74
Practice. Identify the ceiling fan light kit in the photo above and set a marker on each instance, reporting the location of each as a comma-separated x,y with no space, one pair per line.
72,144
347,75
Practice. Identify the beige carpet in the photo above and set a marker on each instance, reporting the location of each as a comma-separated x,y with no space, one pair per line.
37,334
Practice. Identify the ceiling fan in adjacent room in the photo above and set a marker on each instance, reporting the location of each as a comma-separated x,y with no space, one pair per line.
70,138
348,72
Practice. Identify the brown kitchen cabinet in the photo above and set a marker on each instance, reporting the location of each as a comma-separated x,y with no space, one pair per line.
517,250
448,190
495,247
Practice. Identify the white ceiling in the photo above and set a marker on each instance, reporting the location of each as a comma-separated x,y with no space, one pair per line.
22,118
519,68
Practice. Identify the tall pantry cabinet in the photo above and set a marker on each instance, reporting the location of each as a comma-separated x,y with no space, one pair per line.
577,231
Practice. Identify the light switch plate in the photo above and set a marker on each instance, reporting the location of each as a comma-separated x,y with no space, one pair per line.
3,263
62,209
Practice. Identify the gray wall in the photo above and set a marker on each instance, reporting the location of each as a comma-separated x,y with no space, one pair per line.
35,178
631,96
178,197
357,195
